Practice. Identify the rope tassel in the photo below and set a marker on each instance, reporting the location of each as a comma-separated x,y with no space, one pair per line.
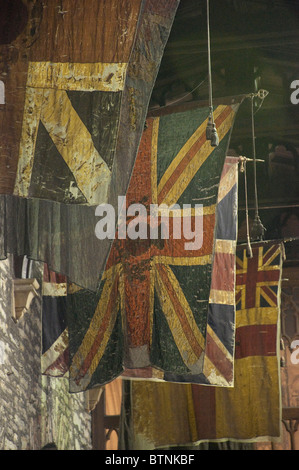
214,138
211,131
257,229
209,127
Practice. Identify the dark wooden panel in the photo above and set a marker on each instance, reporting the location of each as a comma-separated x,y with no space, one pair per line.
97,425
13,73
87,31
290,413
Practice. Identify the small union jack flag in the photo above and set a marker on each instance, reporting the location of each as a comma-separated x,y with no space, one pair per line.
257,277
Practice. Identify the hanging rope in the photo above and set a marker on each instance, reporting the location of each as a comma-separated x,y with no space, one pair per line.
258,229
211,131
243,170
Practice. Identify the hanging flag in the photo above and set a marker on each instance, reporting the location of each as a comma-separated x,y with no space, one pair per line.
218,368
218,365
219,352
89,76
55,351
167,414
152,306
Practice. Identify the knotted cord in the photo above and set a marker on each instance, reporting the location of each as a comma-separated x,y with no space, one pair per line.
211,131
243,170
258,229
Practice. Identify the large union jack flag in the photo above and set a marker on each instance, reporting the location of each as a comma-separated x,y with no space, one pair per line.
257,278
149,317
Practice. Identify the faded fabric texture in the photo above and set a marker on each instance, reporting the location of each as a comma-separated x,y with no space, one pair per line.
218,366
167,414
152,307
90,73
55,344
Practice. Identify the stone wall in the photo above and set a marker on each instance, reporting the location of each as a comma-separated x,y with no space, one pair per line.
34,409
